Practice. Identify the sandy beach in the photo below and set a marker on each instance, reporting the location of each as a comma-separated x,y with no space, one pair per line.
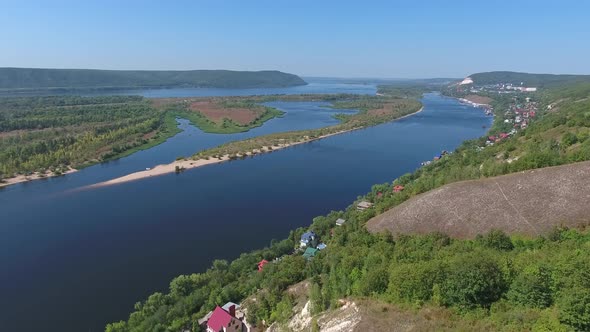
187,164
35,176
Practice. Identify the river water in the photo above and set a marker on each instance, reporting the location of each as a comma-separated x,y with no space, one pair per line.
73,260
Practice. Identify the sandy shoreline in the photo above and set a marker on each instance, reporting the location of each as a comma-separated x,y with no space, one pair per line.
190,164
35,176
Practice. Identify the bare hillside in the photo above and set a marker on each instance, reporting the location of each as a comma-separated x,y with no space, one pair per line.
530,202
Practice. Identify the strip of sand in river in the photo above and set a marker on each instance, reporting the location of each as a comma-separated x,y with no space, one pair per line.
181,165
35,176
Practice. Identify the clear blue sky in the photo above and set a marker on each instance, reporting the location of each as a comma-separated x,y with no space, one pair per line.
311,38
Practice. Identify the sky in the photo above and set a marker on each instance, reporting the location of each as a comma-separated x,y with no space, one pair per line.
384,39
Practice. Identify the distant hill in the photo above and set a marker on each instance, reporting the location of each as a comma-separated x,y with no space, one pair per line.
31,78
534,80
531,202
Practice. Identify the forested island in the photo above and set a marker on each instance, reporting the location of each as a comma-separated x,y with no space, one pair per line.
373,110
494,281
38,79
47,136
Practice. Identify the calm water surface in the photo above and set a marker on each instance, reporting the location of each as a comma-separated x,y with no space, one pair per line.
74,260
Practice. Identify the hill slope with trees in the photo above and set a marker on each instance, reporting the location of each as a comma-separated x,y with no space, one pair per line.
527,79
493,281
36,78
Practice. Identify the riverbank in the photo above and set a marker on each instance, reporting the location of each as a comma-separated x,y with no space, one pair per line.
35,176
186,164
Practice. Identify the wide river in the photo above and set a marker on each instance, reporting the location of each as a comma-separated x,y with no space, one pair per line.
73,260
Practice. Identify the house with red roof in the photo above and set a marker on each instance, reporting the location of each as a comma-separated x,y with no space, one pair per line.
398,188
224,321
261,264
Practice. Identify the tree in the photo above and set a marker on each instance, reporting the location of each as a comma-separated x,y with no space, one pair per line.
497,239
414,282
532,288
315,296
574,308
374,281
473,280
569,138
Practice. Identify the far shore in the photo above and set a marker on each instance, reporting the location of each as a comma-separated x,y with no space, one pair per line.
34,176
186,164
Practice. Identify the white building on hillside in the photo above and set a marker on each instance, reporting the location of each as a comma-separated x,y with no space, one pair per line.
467,80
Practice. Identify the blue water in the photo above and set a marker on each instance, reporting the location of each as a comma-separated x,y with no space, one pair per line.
75,260
299,115
313,86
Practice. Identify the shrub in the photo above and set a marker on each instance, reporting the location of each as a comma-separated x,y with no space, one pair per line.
415,282
569,138
532,288
496,239
574,308
473,280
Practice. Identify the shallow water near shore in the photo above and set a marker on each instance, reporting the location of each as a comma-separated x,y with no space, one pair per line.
75,260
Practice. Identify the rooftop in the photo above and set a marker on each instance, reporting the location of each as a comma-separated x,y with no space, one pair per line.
219,319
310,252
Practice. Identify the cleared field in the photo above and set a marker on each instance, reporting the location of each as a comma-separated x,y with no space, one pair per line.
530,203
479,99
216,112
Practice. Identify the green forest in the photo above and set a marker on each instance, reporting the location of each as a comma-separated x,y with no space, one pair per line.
38,134
40,79
52,134
388,109
493,282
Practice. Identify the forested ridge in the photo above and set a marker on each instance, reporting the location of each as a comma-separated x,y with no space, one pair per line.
493,282
38,78
527,79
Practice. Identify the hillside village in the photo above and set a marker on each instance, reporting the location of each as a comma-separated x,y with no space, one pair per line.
520,112
339,260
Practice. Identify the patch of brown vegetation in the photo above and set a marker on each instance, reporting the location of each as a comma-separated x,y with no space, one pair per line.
378,316
149,135
479,99
216,113
381,111
529,203
7,134
161,102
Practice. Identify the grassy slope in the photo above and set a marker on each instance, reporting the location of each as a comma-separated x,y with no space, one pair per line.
531,202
